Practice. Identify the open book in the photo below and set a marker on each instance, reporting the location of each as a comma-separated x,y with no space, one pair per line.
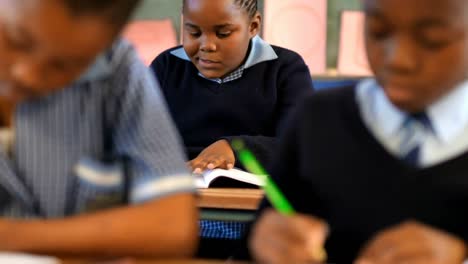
20,258
227,178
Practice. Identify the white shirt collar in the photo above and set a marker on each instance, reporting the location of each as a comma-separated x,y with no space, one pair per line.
375,106
260,51
448,115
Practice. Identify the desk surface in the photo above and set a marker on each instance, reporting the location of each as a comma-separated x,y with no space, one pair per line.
230,198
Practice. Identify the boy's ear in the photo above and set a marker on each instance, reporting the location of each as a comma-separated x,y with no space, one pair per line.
255,24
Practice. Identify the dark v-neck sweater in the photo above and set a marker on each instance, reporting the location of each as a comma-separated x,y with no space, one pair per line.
251,107
331,166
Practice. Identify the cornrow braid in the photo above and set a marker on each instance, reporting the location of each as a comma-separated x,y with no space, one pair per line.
251,6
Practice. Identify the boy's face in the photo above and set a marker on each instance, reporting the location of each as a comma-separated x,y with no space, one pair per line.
217,35
418,49
43,47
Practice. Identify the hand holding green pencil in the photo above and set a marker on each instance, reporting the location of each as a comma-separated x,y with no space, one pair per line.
272,192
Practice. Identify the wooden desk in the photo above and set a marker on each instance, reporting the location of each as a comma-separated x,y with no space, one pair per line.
230,198
229,204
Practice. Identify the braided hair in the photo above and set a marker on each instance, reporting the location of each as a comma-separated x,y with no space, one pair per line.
251,6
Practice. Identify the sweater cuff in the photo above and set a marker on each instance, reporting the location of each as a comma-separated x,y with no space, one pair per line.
237,163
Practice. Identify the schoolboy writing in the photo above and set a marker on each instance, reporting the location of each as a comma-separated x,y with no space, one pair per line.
86,133
378,171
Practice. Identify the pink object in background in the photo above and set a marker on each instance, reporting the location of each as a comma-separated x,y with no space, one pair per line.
299,25
151,37
352,57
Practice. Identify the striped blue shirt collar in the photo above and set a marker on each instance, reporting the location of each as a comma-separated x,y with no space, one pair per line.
260,51
99,69
448,115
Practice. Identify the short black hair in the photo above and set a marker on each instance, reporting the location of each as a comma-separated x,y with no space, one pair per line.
251,6
119,11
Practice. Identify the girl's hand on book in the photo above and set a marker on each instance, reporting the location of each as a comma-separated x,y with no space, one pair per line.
216,155
298,238
413,243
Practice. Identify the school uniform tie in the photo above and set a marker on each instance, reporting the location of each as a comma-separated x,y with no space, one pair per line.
415,128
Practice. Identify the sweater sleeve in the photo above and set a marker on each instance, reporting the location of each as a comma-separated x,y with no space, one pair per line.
284,171
261,146
286,167
294,83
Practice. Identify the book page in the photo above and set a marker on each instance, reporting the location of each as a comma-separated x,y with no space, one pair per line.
200,180
203,180
18,258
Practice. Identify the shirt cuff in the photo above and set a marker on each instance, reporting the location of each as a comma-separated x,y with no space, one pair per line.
156,188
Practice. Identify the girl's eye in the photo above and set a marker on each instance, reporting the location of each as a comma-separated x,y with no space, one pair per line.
195,33
223,34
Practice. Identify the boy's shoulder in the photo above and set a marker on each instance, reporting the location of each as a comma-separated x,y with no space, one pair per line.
330,100
333,109
106,64
333,94
171,55
169,51
125,63
281,51
119,58
123,53
119,67
285,54
286,58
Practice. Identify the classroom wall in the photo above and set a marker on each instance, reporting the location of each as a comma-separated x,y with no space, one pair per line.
158,9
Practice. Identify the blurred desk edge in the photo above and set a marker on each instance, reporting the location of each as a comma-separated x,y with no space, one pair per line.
228,204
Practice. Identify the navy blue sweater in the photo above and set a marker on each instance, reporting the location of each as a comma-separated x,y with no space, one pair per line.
251,107
331,166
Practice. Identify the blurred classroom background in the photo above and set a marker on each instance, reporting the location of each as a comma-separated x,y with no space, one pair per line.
327,33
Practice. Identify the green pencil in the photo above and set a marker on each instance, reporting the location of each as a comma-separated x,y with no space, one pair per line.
272,192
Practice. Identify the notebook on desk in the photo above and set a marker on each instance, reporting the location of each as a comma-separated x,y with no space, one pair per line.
233,178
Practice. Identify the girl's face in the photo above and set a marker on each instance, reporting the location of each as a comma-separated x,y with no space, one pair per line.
44,47
217,34
418,49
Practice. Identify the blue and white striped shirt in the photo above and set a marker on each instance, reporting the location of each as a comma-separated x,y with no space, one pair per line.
61,164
